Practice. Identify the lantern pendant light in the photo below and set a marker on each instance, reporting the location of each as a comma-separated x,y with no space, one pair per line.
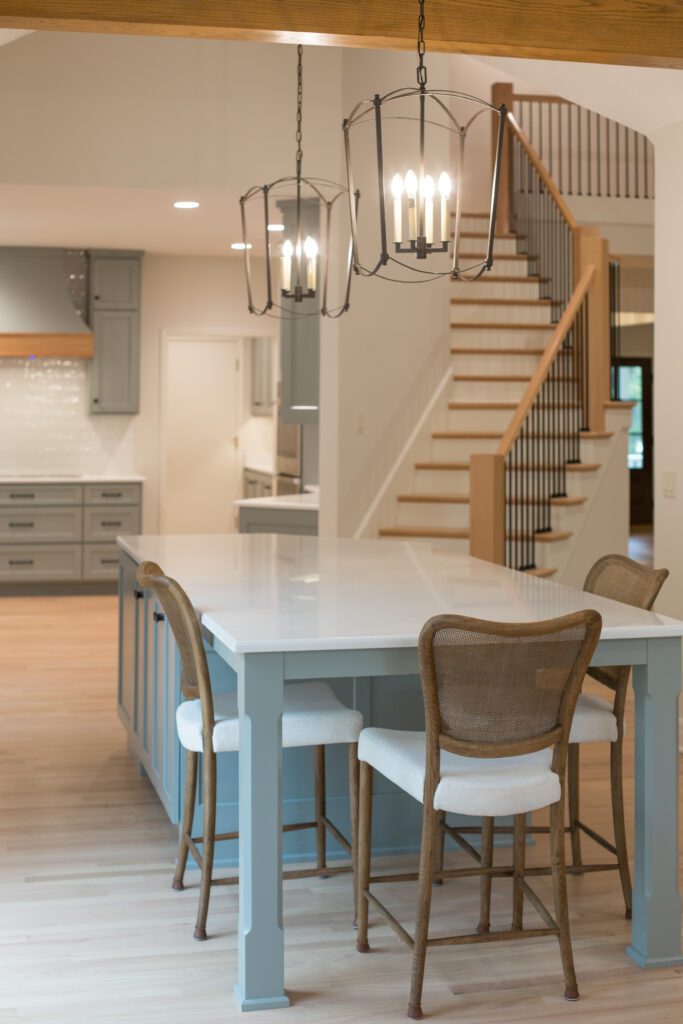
303,209
417,202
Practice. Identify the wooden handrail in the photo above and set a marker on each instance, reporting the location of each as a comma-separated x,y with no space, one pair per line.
529,98
535,384
543,174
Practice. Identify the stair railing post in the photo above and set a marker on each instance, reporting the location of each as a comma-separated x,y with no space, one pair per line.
590,248
502,92
487,508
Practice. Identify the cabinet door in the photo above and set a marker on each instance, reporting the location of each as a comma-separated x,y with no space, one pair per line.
300,368
261,376
115,282
115,366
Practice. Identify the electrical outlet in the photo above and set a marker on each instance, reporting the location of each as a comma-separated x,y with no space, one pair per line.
669,484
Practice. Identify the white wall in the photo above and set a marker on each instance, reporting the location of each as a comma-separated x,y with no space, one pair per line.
185,294
668,421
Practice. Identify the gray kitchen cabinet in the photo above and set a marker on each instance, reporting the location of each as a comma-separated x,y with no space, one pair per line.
115,281
257,485
115,323
256,519
262,392
116,362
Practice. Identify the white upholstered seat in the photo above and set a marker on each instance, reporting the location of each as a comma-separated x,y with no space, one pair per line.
594,721
479,786
312,717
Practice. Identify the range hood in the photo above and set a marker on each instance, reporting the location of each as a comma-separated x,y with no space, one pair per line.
37,315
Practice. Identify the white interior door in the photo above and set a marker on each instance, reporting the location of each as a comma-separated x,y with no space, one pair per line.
199,478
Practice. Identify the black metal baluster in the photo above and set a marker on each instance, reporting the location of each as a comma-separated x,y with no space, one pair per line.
561,147
597,151
636,168
608,124
579,151
646,170
590,158
570,151
626,161
617,158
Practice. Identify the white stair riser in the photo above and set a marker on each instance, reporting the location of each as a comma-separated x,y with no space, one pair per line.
479,419
485,288
456,450
468,223
442,481
481,391
496,337
502,266
489,313
563,517
417,513
501,247
549,555
493,364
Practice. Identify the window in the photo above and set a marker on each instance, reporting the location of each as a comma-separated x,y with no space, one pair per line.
631,390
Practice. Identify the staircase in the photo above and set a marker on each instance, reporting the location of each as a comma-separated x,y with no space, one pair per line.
501,326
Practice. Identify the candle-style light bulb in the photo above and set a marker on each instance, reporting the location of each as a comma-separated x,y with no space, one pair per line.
428,191
411,192
286,265
444,192
397,193
311,253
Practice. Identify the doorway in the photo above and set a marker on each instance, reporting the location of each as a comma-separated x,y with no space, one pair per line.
635,385
199,473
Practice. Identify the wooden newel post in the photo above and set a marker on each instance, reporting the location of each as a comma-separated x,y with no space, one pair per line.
487,507
591,249
502,92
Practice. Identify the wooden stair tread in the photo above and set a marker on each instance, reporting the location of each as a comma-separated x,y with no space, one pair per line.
495,378
562,501
446,466
543,573
435,499
496,351
506,326
492,301
506,278
437,532
482,255
570,467
482,234
466,435
547,537
482,405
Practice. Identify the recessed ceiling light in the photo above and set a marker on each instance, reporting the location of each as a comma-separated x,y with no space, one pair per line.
186,204
240,245
276,227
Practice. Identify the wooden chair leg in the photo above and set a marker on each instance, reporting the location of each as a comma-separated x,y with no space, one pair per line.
518,856
209,833
559,873
573,802
430,820
440,843
484,925
191,760
616,771
353,814
320,830
364,848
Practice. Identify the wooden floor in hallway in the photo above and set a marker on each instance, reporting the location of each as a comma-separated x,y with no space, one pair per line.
92,932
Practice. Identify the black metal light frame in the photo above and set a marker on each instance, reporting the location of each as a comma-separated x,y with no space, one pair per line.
318,194
433,110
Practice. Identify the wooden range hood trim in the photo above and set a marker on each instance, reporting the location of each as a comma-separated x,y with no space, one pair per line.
46,346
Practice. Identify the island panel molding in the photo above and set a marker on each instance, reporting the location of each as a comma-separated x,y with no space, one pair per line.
649,33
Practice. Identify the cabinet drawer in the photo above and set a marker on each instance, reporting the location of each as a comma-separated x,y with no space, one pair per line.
107,523
40,494
100,561
112,494
40,562
26,525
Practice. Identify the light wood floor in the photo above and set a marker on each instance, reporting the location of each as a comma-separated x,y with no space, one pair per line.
91,931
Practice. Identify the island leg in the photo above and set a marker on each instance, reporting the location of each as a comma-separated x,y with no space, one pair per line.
656,934
260,983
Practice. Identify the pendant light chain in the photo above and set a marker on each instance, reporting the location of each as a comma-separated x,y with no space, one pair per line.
299,105
421,48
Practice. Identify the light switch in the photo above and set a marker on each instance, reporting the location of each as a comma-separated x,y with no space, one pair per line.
669,484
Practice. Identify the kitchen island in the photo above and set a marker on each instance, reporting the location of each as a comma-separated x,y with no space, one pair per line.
281,608
283,513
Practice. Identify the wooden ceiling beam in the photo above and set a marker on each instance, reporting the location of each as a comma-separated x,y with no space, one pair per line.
640,32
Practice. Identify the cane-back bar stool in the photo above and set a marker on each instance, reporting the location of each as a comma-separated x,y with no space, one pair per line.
499,700
208,724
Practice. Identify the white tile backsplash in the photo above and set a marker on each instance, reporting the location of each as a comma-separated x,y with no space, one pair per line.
45,425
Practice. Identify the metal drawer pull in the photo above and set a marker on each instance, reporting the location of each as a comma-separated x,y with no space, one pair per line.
29,494
111,494
139,594
14,526
109,561
113,522
21,561
159,617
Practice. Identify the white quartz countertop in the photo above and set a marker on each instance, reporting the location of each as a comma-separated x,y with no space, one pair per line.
307,502
275,592
70,478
